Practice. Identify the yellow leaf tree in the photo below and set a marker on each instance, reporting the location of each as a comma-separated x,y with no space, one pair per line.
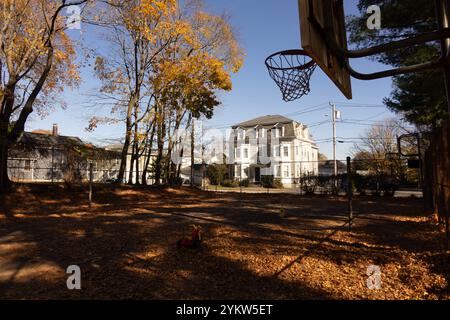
168,62
36,63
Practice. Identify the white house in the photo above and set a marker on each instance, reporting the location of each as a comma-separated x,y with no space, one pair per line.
273,146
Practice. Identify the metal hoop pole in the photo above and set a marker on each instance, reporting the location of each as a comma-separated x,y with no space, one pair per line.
443,34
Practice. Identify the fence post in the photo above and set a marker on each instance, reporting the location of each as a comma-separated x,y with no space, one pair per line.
301,179
91,180
350,193
53,165
240,185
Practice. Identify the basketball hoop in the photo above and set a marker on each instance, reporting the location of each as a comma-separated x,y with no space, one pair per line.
291,70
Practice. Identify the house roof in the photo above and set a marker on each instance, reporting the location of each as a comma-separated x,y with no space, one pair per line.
330,164
118,147
264,121
31,140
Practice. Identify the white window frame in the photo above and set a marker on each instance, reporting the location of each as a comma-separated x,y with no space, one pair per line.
286,171
276,151
238,171
277,171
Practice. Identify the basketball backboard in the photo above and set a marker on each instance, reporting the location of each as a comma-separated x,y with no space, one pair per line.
330,17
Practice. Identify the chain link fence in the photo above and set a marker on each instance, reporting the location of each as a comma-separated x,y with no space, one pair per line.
376,177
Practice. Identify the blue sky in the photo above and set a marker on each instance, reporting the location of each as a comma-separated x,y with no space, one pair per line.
264,27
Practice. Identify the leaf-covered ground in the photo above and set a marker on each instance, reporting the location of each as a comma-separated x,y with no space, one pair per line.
125,246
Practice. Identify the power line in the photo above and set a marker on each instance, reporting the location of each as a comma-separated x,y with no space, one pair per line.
371,124
297,113
358,105
319,107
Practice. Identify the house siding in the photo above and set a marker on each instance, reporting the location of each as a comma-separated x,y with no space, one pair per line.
279,138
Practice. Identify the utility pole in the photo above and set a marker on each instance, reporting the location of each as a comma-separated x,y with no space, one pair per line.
333,111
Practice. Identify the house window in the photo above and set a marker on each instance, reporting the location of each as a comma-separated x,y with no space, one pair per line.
277,171
238,153
247,139
261,133
276,151
27,164
246,153
286,171
277,132
286,151
238,171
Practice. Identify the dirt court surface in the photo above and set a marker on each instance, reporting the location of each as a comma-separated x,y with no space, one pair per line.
125,246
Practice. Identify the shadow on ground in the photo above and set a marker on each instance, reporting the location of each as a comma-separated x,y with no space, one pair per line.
125,246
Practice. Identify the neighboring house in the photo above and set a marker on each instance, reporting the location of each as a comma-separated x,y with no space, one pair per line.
185,170
199,173
142,162
326,168
273,146
47,156
199,170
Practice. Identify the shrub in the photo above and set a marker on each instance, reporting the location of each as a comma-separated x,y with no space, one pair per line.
377,184
271,183
230,183
267,181
217,173
309,184
176,182
244,183
277,184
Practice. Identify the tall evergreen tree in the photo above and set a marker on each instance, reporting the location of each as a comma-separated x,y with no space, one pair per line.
420,97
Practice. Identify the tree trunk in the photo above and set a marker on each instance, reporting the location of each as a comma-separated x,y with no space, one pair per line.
192,152
149,156
130,173
179,165
5,183
137,166
124,156
159,158
127,142
168,163
136,143
145,170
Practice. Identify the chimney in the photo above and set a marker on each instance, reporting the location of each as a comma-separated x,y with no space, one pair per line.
55,130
